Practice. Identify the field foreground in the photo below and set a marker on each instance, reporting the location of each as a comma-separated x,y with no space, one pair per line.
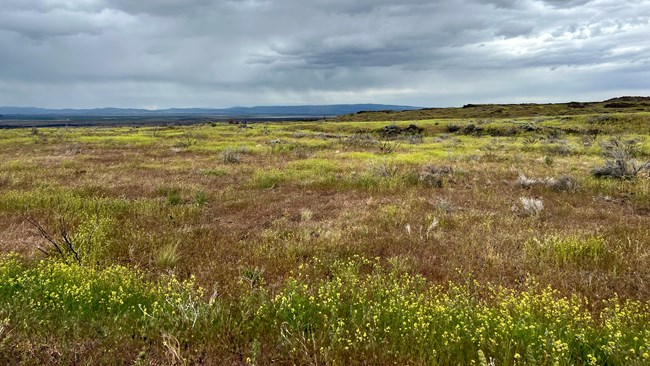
449,241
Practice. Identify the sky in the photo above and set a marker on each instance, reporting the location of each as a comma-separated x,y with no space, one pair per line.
223,53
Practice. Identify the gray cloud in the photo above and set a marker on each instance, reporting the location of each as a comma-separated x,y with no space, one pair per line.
566,3
87,53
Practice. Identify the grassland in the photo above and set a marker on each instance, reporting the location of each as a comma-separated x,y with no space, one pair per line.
614,105
470,241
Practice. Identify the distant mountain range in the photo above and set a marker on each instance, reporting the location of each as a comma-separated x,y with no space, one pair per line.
259,111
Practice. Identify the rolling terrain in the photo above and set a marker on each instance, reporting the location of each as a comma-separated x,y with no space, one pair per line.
614,105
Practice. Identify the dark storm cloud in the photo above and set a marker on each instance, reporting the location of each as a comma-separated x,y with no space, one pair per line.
83,53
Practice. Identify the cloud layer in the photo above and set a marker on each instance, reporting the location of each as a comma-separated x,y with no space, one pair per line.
164,53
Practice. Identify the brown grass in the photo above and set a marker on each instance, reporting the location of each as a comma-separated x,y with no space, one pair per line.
243,226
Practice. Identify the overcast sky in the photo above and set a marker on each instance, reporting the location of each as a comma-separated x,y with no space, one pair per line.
221,53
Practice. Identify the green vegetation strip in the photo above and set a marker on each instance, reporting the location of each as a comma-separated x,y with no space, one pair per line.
354,311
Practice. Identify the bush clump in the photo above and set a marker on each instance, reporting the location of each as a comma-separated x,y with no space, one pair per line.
620,160
233,155
435,176
564,183
394,131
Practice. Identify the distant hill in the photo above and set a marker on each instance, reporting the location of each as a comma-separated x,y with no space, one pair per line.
17,117
621,104
259,111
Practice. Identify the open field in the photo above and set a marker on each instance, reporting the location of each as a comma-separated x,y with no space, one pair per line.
470,241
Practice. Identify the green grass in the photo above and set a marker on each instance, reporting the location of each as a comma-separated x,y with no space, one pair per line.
267,179
583,252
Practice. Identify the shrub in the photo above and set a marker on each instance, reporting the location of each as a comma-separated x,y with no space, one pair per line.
589,139
525,182
387,147
414,139
231,156
529,206
554,135
386,169
451,128
186,141
302,153
435,176
529,140
564,183
82,243
529,127
443,205
620,162
561,148
62,247
360,140
394,131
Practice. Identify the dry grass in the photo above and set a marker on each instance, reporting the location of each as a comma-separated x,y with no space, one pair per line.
187,208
